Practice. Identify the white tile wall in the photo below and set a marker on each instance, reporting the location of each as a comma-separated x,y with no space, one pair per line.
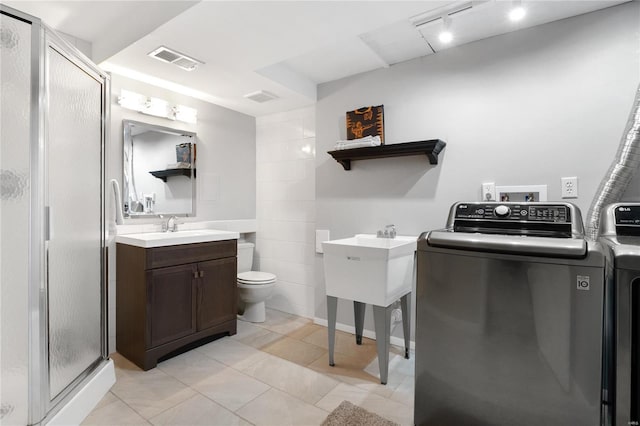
285,207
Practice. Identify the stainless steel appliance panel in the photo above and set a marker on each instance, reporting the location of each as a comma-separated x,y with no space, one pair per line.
507,340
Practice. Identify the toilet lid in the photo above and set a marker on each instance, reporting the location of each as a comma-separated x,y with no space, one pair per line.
256,277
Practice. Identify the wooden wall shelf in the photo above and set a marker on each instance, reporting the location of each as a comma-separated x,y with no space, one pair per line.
164,174
430,148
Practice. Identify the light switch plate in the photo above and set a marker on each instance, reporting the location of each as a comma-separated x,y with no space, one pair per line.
569,187
321,235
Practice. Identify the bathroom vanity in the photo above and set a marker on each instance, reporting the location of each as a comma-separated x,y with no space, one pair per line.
170,296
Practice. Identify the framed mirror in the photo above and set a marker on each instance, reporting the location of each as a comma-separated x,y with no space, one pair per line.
159,170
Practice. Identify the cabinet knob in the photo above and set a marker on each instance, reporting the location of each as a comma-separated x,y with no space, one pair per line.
201,274
195,274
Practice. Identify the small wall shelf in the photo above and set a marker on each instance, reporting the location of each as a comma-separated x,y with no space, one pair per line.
164,174
430,148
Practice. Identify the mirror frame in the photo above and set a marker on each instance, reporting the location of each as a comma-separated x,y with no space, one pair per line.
127,125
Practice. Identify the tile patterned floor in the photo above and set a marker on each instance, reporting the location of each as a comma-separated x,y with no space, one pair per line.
274,373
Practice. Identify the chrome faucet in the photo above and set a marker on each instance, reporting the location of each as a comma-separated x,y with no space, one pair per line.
389,232
170,225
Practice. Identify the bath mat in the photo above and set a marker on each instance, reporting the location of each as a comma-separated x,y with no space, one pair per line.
348,414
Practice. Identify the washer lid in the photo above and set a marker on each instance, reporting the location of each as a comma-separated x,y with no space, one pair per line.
256,276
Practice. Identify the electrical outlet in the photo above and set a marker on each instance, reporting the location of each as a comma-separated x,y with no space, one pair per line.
569,187
488,191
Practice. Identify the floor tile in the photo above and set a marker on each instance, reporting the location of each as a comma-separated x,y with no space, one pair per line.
106,400
114,413
279,409
261,339
345,365
304,331
404,393
399,369
283,323
198,410
269,373
230,388
151,392
344,343
291,378
232,353
191,367
301,353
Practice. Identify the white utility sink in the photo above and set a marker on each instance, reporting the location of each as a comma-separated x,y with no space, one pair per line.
368,269
160,239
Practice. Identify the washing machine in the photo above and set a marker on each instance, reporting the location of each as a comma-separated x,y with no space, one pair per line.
509,327
620,235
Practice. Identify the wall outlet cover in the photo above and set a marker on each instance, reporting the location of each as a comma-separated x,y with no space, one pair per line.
489,191
569,188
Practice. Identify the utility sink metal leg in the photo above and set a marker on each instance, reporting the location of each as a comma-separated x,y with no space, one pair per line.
358,313
382,321
405,303
332,310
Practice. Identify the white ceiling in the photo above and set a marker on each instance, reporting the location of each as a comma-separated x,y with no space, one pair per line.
284,47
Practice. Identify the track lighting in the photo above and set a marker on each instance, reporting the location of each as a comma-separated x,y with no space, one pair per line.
517,11
446,36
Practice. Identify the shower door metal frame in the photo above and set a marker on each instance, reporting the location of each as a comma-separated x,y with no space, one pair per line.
41,406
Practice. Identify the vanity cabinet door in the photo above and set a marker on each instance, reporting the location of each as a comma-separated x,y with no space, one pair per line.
171,303
216,292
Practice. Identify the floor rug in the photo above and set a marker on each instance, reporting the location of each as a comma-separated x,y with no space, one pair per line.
348,414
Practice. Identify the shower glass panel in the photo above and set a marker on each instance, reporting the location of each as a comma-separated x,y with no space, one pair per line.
15,121
74,247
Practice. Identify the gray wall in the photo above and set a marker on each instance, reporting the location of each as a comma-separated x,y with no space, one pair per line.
226,151
527,107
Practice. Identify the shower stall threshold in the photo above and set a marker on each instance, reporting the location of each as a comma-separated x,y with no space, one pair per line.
87,397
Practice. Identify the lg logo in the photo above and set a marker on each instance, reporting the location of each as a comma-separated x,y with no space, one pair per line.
582,282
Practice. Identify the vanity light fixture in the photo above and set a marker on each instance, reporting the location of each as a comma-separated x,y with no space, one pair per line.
446,36
517,11
157,107
186,114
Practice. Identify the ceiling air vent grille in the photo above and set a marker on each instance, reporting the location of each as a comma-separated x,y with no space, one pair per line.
171,56
261,96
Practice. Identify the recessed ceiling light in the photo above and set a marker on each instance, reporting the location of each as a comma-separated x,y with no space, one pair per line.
517,13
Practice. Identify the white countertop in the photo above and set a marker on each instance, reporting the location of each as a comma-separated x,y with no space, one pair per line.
161,239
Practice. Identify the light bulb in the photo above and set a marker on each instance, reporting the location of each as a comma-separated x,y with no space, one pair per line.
517,13
445,36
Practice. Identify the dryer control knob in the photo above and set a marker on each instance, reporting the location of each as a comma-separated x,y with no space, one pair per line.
502,211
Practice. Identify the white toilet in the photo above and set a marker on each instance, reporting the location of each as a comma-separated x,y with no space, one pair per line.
254,287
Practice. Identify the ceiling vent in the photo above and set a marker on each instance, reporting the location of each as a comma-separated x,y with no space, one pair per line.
171,56
261,96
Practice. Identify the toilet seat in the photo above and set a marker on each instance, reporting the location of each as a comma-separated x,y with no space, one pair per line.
256,278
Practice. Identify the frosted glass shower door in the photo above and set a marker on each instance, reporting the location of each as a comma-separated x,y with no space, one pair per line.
75,255
15,121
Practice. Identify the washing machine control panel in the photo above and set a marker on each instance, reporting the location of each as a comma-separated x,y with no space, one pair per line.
514,212
628,220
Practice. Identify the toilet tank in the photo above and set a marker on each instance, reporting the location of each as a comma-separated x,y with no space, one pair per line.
245,256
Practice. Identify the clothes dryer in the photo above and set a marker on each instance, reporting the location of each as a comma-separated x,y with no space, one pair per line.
620,234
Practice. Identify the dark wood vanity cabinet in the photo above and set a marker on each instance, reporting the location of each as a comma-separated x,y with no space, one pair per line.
169,297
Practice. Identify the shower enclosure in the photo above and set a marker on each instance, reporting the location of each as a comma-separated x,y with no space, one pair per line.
54,109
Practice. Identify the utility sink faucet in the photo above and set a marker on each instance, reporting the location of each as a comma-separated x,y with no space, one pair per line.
389,232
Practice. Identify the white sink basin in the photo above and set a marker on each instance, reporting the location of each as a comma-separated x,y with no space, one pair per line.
160,239
368,269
